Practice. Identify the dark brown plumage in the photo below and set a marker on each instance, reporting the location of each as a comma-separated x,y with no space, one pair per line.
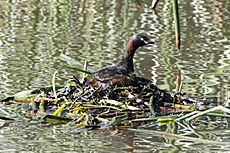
122,73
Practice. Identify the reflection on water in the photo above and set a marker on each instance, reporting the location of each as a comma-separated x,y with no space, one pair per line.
34,33
210,136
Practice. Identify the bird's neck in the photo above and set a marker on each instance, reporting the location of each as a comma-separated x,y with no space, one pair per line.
127,59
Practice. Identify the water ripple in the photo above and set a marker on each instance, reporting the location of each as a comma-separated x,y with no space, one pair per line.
34,33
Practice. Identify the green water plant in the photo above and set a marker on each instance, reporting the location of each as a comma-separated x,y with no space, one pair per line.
176,19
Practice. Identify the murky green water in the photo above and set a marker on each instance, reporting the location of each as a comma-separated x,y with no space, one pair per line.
33,34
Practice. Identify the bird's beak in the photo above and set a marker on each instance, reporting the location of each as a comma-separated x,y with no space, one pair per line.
147,41
150,42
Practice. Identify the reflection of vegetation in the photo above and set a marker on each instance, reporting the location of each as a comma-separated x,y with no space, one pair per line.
37,31
194,58
176,19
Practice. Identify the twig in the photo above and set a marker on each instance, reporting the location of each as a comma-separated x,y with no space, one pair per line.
53,83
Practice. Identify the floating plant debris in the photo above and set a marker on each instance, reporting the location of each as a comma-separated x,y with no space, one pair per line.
85,106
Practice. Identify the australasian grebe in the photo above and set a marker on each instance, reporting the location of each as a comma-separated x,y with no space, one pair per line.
122,73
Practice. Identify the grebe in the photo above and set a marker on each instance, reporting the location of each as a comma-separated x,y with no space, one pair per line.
122,73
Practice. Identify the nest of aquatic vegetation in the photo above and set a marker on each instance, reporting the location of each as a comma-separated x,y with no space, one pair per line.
88,107
93,107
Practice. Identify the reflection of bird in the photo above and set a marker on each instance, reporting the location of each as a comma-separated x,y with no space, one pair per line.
120,74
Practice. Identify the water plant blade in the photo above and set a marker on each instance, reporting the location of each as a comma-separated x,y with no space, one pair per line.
85,69
78,69
59,110
151,106
178,81
56,119
214,109
177,22
73,62
154,4
120,104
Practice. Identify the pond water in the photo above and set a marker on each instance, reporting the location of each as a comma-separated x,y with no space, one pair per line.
33,34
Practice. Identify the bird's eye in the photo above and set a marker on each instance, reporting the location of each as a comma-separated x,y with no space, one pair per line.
142,39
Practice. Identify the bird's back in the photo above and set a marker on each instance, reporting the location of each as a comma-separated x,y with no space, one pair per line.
115,75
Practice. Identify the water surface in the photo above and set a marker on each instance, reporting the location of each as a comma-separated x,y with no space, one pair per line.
33,34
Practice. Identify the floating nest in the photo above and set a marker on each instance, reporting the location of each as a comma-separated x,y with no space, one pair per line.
88,107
